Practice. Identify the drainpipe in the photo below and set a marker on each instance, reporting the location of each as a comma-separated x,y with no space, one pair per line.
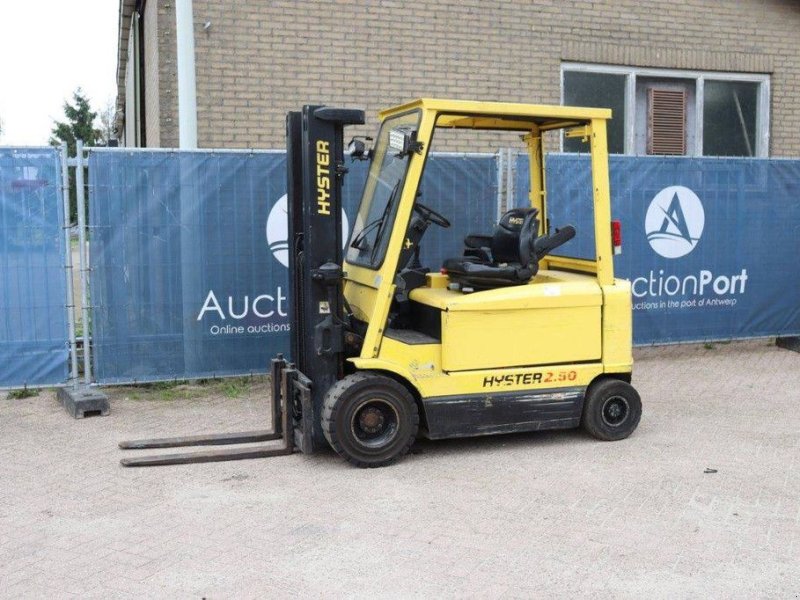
191,271
187,86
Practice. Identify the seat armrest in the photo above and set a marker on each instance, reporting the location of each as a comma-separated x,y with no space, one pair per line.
546,244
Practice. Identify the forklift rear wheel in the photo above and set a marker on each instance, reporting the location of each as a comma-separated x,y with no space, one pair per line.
611,410
369,419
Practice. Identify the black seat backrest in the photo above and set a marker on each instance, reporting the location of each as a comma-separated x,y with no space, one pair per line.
505,240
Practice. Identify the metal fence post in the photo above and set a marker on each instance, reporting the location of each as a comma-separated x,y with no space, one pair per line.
84,263
80,400
510,179
500,177
70,299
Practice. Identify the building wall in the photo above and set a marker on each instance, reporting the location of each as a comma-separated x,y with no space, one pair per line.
259,59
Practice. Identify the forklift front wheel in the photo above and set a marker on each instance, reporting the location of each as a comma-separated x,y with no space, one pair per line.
369,419
611,410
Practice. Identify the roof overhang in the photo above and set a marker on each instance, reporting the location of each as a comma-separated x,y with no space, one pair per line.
462,114
126,9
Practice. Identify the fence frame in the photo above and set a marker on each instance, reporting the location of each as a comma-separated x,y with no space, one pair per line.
68,268
63,198
505,160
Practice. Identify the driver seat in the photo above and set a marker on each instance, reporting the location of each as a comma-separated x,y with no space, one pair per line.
496,260
510,256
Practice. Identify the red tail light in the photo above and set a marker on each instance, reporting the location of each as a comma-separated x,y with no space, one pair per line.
616,236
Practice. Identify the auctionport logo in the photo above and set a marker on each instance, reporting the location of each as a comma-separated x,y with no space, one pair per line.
674,221
278,230
674,224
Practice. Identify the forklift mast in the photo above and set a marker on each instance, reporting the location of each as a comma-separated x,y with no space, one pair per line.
315,170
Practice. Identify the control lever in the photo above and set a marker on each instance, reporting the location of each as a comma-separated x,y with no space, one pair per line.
547,243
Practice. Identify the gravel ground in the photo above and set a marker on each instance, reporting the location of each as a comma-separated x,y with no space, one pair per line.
543,514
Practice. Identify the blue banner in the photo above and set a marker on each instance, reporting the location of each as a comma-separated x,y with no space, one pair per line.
710,245
33,319
189,254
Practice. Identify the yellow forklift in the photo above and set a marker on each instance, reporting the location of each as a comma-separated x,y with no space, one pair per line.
507,337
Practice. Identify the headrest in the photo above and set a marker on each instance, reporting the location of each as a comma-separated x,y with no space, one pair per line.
505,240
514,218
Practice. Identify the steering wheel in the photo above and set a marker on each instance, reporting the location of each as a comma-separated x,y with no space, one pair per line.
431,215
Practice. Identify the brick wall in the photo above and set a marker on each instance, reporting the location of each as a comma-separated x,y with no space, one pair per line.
259,59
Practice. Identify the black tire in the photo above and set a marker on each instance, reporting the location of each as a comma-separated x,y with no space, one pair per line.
612,410
369,419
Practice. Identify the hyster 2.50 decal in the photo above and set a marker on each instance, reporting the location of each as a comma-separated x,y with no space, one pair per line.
529,378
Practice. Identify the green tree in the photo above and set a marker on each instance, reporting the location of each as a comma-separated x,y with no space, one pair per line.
79,125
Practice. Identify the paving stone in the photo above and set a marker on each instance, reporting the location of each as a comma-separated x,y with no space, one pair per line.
551,513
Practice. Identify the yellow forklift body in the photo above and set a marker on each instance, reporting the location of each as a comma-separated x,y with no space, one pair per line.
568,325
505,327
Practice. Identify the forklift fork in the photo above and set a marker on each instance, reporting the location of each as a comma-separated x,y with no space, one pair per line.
287,383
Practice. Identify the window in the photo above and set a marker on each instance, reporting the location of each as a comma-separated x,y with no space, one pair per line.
601,90
672,112
380,198
730,115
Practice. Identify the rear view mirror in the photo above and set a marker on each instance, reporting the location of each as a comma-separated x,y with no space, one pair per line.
358,149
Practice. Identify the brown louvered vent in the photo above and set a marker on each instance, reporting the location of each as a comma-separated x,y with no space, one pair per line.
666,121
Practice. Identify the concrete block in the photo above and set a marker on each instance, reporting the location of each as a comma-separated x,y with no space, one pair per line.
788,343
83,401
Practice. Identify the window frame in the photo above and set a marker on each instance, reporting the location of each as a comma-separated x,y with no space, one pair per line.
699,77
